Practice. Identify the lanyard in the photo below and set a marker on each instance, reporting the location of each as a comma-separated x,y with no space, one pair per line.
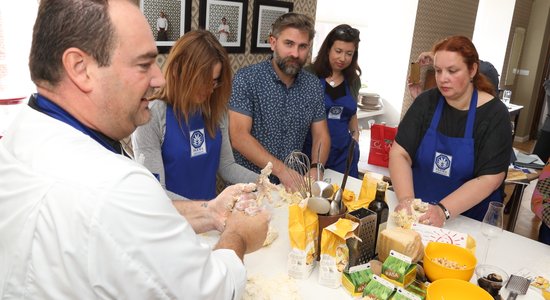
55,111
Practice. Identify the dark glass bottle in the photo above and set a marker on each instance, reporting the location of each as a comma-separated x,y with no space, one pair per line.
380,207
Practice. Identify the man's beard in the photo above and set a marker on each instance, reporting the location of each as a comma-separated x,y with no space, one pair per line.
286,66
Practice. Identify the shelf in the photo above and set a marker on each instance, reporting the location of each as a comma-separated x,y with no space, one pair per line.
362,114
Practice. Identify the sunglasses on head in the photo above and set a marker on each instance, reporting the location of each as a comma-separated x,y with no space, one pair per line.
348,32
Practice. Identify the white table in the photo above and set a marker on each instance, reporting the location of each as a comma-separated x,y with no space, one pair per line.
510,251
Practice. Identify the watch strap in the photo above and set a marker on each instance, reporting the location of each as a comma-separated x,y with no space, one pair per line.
318,166
445,211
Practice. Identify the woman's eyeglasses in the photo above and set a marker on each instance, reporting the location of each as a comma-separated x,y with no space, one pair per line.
349,32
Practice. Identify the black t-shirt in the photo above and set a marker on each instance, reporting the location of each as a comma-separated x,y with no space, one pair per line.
492,130
335,92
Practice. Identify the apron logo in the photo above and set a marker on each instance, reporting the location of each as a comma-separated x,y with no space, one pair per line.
198,146
335,112
442,164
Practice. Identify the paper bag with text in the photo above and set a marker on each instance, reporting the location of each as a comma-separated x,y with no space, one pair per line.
303,227
381,139
335,252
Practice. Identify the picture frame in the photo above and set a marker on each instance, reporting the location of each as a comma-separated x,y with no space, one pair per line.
265,13
232,33
178,16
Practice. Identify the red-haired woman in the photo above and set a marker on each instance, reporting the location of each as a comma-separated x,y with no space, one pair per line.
453,145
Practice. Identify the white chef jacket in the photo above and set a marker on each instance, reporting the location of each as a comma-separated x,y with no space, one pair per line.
162,23
223,35
78,221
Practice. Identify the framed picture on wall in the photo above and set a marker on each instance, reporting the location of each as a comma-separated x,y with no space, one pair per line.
226,19
265,13
168,20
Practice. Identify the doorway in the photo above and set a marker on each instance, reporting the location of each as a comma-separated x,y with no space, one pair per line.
540,106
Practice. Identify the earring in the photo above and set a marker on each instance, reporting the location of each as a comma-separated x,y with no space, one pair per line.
472,79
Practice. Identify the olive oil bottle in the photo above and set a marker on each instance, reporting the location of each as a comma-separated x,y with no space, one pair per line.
380,207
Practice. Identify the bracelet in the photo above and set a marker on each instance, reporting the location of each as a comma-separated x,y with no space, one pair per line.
318,166
445,211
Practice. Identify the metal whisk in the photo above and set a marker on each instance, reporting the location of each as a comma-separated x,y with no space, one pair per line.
298,167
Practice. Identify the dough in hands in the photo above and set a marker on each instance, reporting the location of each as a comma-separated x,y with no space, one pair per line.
403,219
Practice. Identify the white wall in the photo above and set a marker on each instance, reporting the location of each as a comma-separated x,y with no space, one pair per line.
492,28
17,19
16,22
386,35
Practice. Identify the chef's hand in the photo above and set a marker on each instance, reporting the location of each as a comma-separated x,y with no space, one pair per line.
252,230
434,216
222,205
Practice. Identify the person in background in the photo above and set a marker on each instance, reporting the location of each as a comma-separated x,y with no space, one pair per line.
542,146
186,142
540,204
485,68
275,103
162,27
78,218
338,71
223,31
453,145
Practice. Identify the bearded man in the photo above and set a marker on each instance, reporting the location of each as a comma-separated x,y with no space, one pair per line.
275,103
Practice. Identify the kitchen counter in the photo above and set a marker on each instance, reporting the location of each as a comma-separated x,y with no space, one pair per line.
510,251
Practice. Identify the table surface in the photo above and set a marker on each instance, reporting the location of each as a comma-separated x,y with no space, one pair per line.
510,251
514,107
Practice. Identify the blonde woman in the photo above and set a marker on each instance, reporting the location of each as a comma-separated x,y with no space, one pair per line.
186,142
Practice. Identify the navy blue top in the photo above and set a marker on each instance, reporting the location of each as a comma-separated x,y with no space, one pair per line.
281,116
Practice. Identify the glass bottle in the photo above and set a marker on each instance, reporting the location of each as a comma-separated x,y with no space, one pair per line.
380,207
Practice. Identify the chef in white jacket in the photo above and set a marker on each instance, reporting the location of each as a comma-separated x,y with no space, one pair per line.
80,220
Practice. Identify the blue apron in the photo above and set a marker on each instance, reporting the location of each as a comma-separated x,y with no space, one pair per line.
443,163
339,113
191,157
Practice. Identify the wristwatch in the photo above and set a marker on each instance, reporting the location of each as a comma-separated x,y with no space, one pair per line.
445,211
318,166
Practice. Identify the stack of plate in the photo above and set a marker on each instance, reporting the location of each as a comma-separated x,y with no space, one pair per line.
369,102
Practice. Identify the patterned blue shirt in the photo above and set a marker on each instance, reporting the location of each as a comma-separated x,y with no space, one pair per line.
281,116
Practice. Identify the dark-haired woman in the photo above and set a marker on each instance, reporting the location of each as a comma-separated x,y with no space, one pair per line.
337,68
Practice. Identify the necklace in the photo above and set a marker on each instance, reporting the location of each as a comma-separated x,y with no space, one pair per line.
331,81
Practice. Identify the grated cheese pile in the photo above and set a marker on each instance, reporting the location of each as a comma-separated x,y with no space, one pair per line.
281,287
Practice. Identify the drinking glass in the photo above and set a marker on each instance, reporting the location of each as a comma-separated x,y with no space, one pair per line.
492,224
506,97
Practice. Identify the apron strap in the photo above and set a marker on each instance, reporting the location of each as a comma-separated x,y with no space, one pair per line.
469,130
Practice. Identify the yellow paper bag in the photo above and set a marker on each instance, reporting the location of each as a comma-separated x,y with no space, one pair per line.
368,189
303,226
335,252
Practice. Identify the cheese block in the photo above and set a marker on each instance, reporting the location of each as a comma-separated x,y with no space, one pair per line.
405,241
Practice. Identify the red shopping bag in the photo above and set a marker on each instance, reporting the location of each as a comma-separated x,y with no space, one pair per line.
381,139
